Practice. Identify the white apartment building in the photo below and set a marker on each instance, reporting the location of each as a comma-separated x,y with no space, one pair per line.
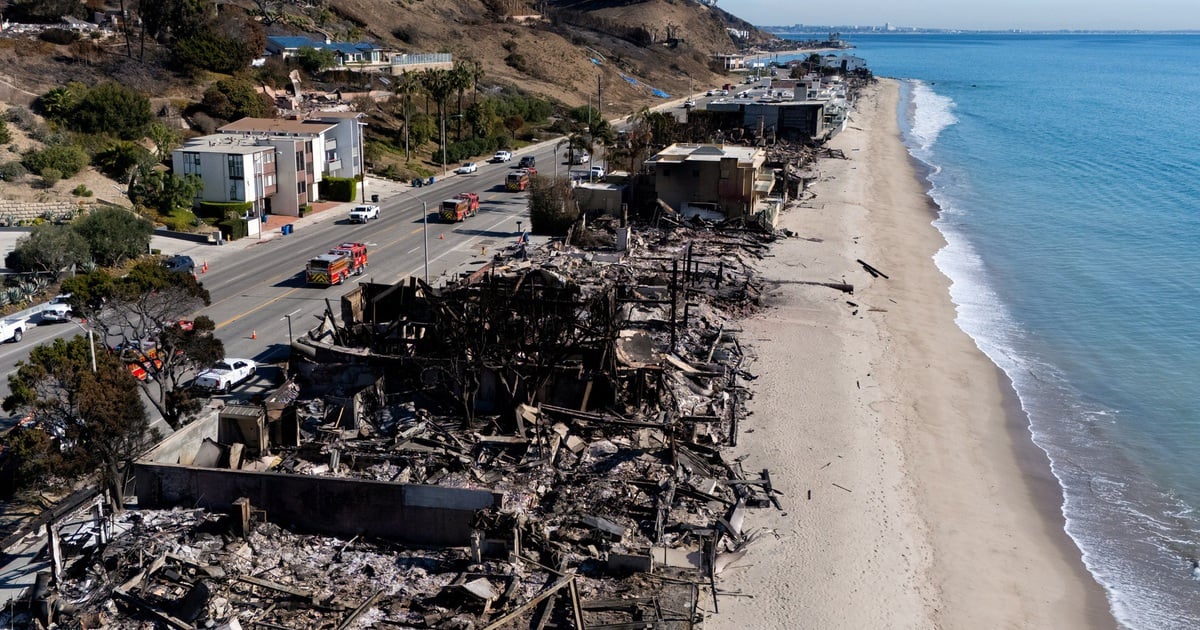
277,164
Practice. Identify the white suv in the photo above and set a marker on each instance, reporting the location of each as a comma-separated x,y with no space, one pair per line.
502,156
58,310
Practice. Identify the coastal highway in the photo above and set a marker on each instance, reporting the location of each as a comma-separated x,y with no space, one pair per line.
255,287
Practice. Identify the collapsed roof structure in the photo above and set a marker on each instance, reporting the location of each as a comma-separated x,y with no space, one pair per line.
535,444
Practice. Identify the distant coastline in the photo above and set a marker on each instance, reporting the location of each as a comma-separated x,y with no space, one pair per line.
880,30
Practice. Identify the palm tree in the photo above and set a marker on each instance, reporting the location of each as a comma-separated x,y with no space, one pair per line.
476,68
408,84
460,80
438,85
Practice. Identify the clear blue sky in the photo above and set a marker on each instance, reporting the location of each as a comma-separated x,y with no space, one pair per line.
977,15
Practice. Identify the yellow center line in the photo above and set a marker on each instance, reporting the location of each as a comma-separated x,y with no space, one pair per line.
291,291
256,308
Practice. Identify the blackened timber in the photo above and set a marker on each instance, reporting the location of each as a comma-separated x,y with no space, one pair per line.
527,606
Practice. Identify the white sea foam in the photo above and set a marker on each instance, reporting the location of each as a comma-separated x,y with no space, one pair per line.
1072,431
932,113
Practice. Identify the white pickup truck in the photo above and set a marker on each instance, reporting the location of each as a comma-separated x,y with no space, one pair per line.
12,330
362,214
226,374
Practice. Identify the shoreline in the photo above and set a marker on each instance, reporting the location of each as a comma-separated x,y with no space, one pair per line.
914,496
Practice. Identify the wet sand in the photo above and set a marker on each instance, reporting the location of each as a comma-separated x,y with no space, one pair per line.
913,496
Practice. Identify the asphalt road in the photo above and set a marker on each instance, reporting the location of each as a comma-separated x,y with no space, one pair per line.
257,284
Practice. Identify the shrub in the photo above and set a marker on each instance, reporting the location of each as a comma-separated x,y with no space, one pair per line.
81,191
233,229
112,108
339,188
5,134
12,171
305,210
60,36
21,117
51,176
180,220
221,209
67,159
114,234
516,61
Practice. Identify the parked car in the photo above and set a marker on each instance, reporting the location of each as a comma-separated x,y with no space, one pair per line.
581,158
596,172
710,92
225,375
180,264
502,156
362,214
58,310
467,167
688,104
12,330
527,162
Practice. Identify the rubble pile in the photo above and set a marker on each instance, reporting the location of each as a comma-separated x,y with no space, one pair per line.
592,392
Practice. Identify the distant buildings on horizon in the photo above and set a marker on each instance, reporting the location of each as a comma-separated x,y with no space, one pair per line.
812,29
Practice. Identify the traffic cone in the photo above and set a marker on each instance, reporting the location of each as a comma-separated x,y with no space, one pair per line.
254,334
441,237
204,267
483,251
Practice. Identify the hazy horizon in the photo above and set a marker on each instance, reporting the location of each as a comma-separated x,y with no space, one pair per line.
1041,15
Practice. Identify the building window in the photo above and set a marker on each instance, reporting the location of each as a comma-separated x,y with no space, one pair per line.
268,157
269,180
235,192
191,163
331,156
300,161
235,166
302,188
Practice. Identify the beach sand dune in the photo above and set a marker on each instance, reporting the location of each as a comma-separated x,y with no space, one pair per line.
913,496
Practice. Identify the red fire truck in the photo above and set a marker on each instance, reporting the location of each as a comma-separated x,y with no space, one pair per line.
333,267
459,207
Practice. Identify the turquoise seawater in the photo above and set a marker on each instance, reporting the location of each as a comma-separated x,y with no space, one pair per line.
1067,172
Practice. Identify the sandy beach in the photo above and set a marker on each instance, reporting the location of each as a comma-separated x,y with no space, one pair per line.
913,496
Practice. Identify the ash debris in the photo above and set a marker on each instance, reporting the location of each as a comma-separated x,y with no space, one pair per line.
586,395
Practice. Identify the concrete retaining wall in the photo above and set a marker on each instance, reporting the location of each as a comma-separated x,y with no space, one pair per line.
13,212
414,514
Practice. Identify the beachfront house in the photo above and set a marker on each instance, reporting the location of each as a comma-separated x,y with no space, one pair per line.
352,55
712,181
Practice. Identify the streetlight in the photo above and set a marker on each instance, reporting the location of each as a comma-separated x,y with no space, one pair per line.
425,235
443,146
362,160
91,343
288,317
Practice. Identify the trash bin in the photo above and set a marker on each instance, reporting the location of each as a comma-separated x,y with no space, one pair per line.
374,198
264,218
287,229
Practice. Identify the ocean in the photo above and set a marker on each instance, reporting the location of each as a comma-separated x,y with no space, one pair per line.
1067,173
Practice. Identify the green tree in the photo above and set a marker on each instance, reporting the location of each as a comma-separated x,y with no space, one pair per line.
121,159
315,60
29,461
114,234
164,138
164,192
59,102
67,159
482,118
408,84
460,79
236,97
141,309
96,416
112,108
226,43
49,248
438,85
5,134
